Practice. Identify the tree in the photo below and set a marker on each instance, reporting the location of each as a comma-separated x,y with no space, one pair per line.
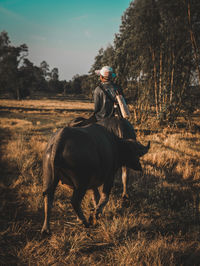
19,76
30,78
54,74
76,84
4,44
53,81
45,70
192,11
155,50
10,60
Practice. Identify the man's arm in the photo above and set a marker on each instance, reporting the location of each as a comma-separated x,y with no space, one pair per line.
97,103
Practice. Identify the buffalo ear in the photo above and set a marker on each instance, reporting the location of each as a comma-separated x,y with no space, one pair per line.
146,148
137,166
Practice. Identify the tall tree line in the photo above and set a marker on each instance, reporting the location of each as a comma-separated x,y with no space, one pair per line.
156,56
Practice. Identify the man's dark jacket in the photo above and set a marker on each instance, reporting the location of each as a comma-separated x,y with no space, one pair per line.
104,103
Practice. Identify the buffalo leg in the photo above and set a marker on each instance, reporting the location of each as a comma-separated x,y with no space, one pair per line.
125,180
104,196
95,197
76,200
102,202
48,202
95,200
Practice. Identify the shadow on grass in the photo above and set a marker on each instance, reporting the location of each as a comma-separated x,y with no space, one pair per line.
170,209
16,221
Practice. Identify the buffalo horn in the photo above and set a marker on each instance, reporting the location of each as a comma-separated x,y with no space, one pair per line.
143,149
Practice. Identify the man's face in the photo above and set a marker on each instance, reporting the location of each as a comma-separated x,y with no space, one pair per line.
103,79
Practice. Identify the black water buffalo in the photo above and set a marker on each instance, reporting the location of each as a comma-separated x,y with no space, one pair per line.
86,158
120,127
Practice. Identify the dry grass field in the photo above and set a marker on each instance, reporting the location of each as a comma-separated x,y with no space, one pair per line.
158,225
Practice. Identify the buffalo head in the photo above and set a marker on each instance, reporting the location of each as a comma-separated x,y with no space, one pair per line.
131,152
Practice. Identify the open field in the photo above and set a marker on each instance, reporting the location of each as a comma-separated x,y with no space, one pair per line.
158,225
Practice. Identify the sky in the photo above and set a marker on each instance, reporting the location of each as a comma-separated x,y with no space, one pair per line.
67,34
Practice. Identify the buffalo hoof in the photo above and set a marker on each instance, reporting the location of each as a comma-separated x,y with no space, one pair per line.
125,197
85,223
45,233
93,220
125,202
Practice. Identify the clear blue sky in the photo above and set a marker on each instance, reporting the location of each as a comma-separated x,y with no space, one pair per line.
65,33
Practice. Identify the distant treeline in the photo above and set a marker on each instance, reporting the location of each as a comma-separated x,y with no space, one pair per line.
20,78
156,56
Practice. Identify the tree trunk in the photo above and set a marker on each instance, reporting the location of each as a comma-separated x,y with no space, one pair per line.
172,78
18,94
155,83
193,40
160,83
